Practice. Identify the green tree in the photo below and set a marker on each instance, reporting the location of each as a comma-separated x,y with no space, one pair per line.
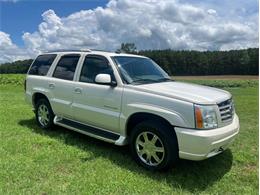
237,62
127,48
20,66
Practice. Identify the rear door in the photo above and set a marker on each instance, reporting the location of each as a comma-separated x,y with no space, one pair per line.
61,85
97,104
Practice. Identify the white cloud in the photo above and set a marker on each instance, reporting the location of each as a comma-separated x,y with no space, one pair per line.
9,51
212,12
149,24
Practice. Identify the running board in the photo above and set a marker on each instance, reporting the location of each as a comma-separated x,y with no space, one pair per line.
90,131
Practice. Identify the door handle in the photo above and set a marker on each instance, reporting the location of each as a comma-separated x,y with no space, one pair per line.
78,90
51,85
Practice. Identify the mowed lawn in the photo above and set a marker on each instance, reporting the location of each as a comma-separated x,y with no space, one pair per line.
36,161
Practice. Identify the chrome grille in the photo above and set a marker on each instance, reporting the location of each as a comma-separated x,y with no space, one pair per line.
226,110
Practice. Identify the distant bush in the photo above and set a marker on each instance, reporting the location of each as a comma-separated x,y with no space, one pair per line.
13,79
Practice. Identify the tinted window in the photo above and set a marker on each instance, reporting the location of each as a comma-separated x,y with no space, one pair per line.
42,64
94,65
140,70
66,67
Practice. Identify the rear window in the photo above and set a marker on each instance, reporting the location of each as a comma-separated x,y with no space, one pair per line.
42,64
66,67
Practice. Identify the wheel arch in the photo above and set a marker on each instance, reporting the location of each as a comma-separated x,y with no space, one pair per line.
37,96
138,117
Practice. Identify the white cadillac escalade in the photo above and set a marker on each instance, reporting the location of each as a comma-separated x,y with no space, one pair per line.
128,99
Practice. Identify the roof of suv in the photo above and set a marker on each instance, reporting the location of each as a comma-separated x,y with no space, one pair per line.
98,52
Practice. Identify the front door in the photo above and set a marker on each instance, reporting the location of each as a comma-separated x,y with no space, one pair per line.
96,104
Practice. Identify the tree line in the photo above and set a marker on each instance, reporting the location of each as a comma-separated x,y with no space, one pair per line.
17,67
235,62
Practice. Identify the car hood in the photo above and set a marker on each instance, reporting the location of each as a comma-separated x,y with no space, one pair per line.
185,91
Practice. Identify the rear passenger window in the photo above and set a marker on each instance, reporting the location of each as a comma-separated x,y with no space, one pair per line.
42,64
65,68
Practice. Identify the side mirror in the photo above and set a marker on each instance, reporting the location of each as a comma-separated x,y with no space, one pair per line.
104,79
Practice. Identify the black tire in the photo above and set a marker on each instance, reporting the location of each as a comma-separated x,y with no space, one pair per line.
167,137
44,103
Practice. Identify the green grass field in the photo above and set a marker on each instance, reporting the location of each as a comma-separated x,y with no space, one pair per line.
35,161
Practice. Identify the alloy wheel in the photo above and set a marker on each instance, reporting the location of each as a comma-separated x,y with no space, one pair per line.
43,115
150,148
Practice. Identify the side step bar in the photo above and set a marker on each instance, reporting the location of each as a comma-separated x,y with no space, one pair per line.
88,130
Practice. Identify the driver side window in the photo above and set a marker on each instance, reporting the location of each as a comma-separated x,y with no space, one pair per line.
94,65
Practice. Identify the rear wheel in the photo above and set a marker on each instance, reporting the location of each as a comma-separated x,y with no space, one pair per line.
154,145
44,114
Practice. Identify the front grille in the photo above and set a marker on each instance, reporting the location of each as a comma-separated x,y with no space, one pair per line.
226,110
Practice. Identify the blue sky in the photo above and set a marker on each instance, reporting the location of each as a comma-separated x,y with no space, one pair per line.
29,27
22,16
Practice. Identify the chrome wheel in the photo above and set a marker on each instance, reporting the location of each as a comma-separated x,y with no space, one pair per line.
150,148
43,115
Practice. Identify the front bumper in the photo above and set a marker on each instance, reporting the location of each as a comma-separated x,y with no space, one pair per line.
201,144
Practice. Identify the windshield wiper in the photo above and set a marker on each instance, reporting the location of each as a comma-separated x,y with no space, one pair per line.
164,79
143,81
140,81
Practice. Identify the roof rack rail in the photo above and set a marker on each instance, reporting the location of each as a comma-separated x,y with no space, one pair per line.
68,50
101,50
86,50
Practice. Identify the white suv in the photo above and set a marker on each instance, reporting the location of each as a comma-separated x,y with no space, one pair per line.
128,99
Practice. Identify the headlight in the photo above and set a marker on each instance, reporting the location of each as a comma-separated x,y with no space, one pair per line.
206,117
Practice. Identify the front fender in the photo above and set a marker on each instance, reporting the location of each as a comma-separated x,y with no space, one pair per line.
174,118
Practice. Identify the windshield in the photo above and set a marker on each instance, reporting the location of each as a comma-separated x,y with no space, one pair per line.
138,70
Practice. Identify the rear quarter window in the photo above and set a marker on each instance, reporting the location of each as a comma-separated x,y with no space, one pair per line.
42,64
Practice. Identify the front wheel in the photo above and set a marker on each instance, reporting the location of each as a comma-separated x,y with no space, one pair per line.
154,145
44,114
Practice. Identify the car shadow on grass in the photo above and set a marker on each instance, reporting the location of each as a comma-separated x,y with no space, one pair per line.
187,175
